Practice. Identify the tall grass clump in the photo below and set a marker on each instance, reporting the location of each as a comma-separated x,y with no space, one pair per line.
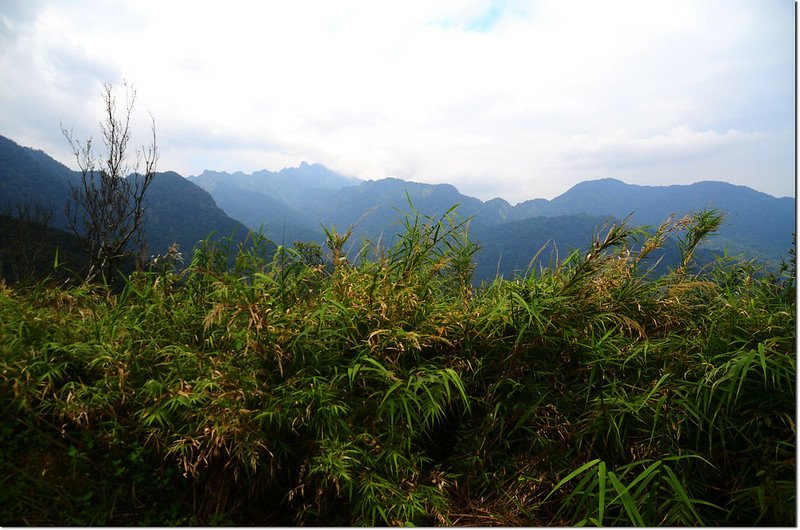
352,384
649,399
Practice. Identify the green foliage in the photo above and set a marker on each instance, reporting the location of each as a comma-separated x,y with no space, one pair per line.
653,497
270,385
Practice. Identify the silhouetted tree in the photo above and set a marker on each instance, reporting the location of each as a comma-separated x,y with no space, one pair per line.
106,211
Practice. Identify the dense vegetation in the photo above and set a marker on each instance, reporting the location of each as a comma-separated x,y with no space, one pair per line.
303,387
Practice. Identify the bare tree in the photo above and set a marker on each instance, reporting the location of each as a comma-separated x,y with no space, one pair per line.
106,210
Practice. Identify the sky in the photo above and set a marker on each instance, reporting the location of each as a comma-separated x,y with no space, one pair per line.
511,99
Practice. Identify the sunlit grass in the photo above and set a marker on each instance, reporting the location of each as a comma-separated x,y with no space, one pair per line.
361,385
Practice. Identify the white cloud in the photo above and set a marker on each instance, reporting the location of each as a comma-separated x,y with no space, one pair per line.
679,144
516,99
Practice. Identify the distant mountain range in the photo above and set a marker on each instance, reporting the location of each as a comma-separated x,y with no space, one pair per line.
295,203
756,225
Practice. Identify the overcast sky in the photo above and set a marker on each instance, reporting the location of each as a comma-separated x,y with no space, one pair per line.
511,99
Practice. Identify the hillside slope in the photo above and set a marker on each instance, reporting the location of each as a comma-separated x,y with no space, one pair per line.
177,210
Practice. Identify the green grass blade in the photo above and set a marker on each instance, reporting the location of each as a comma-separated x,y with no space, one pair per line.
763,358
627,501
601,492
681,493
573,474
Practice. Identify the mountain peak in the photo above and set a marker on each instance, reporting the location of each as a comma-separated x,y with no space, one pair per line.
605,182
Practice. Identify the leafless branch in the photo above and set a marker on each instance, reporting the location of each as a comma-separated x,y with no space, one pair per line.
106,210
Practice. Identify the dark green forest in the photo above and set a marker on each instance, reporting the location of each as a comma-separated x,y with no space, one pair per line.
261,384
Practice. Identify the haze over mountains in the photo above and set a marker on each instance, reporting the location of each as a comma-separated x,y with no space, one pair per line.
295,203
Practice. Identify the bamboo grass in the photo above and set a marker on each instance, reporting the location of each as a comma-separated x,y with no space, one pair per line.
362,385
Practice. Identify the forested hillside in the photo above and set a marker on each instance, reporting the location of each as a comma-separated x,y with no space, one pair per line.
176,210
